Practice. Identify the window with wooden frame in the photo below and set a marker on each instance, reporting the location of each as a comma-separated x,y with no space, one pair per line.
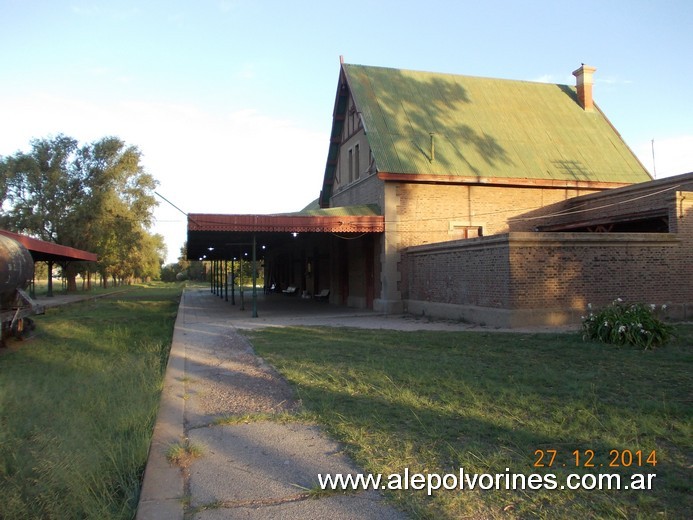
357,162
351,165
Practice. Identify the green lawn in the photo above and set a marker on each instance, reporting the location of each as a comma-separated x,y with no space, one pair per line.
78,403
439,401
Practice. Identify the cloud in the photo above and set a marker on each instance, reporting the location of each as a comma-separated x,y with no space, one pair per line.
672,155
206,162
555,79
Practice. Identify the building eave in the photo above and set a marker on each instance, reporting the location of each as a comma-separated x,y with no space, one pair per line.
48,251
497,181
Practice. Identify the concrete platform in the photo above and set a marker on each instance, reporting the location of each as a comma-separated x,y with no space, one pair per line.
251,470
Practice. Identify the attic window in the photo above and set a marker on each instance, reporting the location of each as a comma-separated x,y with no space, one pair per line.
357,162
351,165
353,117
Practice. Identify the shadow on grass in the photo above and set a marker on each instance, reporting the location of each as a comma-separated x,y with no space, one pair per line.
486,402
77,406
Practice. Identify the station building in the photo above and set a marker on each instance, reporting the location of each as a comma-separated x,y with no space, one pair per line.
488,200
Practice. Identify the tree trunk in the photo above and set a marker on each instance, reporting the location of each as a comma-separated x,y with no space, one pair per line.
70,274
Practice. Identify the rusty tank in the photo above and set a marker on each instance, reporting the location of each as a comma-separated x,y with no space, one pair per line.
16,271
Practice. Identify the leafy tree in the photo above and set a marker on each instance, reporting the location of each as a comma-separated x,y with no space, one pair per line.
41,188
97,197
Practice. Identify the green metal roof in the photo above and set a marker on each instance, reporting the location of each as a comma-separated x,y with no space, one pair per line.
486,128
359,210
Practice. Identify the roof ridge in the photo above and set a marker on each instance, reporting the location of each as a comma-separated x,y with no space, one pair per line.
451,74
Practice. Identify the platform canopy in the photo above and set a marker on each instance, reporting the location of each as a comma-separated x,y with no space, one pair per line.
42,251
221,237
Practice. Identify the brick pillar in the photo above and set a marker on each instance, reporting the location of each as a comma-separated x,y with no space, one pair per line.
390,301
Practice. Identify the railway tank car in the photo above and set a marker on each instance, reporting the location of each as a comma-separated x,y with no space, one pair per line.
16,272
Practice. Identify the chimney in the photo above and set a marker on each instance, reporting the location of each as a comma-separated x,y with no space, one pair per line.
584,82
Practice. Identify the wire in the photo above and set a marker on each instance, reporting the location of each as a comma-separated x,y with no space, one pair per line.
350,238
573,212
171,203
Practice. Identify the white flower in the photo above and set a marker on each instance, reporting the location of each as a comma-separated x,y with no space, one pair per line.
664,306
621,329
589,305
653,306
619,300
606,323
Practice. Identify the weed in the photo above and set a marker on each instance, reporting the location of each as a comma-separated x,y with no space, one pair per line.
282,418
182,454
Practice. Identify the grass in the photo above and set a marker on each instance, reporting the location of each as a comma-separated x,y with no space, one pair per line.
182,454
439,401
41,288
78,403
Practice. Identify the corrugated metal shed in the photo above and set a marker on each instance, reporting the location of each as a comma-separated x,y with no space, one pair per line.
47,251
214,235
486,128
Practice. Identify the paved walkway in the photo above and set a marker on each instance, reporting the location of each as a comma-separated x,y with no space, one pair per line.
248,469
251,470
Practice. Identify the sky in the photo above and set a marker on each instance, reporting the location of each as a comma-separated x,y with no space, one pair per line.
230,101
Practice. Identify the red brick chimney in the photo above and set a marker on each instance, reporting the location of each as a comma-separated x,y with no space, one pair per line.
584,82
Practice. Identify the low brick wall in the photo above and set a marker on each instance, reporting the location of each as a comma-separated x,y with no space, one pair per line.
523,278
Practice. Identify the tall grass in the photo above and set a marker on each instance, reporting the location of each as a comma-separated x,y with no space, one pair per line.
439,401
78,403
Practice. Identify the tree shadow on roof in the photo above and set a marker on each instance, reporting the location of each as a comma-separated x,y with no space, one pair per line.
416,106
574,169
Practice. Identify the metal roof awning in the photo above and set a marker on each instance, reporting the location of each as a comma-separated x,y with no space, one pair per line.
42,251
215,236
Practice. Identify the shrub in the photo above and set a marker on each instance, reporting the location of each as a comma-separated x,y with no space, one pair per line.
622,323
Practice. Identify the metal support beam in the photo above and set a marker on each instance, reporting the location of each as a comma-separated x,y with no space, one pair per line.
226,280
220,279
233,282
254,279
240,280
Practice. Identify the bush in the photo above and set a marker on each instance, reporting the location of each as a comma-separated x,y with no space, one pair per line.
621,323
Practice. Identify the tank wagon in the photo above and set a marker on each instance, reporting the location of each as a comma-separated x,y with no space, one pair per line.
16,272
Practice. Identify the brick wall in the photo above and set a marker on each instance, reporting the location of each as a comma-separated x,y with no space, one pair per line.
570,270
426,212
468,272
367,190
548,278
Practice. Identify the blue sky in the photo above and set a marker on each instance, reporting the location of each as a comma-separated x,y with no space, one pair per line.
230,101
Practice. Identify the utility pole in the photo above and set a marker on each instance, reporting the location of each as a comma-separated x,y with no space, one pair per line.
654,164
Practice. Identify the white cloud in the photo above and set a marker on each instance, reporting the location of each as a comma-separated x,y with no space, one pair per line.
555,79
227,162
672,155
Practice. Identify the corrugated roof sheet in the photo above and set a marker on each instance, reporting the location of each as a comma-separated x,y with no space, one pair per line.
323,221
44,251
486,128
358,210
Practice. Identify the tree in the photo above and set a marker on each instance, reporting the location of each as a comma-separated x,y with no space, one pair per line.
119,209
97,197
41,188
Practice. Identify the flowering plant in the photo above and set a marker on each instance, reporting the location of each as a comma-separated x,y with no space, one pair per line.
621,323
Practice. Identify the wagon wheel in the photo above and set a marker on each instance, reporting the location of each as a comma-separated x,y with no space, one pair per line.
22,327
